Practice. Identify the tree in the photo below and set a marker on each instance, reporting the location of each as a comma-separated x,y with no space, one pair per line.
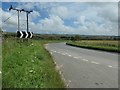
76,38
72,38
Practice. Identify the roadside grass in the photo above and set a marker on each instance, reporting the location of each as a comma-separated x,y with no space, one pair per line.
106,45
28,65
0,64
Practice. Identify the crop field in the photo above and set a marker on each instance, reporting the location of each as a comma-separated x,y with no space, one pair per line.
107,45
28,65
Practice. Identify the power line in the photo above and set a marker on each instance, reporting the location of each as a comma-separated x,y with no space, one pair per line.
20,10
7,19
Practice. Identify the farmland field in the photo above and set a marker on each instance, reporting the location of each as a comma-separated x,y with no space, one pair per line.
107,45
28,65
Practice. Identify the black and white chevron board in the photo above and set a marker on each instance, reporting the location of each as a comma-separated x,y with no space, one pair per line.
24,34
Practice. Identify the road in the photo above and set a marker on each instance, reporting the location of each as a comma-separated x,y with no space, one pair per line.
83,68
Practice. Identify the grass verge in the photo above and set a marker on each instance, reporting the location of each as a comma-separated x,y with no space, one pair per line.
28,65
97,45
0,62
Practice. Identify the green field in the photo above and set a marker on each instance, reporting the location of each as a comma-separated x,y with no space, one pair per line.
28,65
106,45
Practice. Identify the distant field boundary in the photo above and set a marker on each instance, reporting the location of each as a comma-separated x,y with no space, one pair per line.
92,47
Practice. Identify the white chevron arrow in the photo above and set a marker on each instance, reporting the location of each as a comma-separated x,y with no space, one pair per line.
31,34
26,34
21,34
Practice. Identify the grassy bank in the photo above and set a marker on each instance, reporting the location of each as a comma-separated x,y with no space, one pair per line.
28,65
0,62
105,45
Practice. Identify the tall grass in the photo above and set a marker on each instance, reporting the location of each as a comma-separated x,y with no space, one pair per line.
28,65
106,45
0,62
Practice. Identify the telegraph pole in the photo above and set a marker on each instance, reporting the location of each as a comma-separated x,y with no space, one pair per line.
27,13
18,22
27,22
22,34
18,10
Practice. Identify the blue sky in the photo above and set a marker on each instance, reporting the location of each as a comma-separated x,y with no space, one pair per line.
84,18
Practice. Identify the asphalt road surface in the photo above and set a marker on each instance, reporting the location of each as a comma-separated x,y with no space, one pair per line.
85,68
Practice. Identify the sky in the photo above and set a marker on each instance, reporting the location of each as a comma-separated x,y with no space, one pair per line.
84,18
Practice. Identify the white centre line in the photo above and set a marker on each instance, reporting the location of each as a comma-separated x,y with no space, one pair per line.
69,55
84,59
94,62
110,66
76,57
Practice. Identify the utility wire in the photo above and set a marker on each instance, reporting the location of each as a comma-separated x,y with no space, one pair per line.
7,19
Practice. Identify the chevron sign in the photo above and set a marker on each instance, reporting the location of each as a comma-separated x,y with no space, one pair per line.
24,34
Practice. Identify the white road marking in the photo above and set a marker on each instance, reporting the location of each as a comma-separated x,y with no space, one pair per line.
76,57
84,59
69,55
110,66
94,62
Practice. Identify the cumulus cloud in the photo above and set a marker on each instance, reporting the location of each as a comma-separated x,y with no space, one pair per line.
52,25
80,20
61,11
85,18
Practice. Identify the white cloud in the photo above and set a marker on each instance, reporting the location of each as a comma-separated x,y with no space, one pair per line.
89,18
60,11
26,5
53,24
110,12
34,15
80,20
